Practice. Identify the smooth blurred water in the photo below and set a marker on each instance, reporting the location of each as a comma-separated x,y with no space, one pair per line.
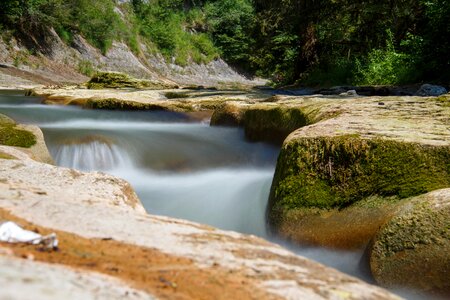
179,168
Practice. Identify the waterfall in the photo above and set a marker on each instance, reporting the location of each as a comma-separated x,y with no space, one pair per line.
91,156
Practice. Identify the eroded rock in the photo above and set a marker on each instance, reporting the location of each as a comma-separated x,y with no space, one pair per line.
26,279
392,151
413,248
431,90
117,80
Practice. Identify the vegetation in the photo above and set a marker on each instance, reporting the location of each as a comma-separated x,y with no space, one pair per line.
115,80
273,124
309,42
10,135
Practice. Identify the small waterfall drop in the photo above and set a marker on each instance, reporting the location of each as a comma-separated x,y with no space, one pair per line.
232,199
91,153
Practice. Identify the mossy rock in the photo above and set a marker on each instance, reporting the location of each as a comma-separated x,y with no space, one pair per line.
174,95
273,123
228,114
413,248
5,120
116,80
443,100
350,228
10,135
116,104
338,171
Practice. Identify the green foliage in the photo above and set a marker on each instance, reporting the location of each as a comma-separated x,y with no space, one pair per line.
339,72
386,66
97,21
85,67
310,42
174,31
328,33
231,23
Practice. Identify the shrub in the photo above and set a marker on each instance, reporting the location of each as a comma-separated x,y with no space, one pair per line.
385,66
85,67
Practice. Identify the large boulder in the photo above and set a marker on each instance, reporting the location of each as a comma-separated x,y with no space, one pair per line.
355,168
115,80
413,248
431,90
27,137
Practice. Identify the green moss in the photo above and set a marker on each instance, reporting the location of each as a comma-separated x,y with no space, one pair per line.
228,114
444,100
6,156
117,80
4,120
412,248
172,95
335,172
273,124
422,225
11,136
115,104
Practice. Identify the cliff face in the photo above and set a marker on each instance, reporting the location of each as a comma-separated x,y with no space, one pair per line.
53,62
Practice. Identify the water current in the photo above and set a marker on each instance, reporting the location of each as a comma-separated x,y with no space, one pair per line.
179,167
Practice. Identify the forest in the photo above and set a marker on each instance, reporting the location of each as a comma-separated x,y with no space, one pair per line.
302,42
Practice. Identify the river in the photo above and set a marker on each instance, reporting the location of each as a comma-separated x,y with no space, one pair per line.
179,167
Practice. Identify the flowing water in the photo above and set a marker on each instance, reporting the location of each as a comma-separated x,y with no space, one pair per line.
178,167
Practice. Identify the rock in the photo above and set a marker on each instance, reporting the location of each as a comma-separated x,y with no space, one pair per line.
273,123
13,135
228,114
117,80
431,90
394,151
26,279
349,93
412,249
28,137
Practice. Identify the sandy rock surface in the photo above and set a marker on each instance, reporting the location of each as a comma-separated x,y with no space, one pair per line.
29,280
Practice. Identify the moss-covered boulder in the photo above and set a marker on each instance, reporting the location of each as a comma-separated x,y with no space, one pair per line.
228,114
116,80
335,172
116,104
413,248
273,123
12,135
386,150
331,176
268,122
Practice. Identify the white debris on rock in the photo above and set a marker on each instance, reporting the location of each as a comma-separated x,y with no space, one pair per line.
10,232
